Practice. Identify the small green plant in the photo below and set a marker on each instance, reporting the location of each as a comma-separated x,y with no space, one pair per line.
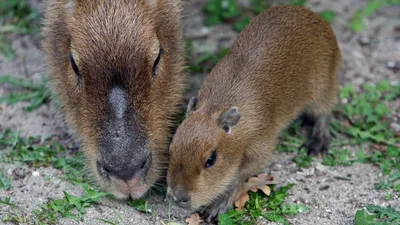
36,93
337,157
302,159
5,181
298,2
220,10
327,15
356,23
13,214
372,215
6,201
391,182
367,115
140,205
17,17
273,208
70,206
207,61
258,6
241,24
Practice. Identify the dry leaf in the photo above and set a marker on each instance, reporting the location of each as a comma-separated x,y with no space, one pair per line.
194,219
241,199
265,189
253,184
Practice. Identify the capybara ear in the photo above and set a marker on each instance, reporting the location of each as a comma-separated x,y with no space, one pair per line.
228,119
191,105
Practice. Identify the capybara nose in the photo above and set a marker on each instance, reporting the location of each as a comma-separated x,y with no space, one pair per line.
124,170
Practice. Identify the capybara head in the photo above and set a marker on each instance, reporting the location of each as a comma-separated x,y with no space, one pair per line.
117,67
203,156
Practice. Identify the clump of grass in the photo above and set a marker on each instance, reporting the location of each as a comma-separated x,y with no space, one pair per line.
37,153
37,94
271,208
373,214
367,116
219,11
141,205
70,206
206,61
5,181
357,22
34,152
13,214
16,17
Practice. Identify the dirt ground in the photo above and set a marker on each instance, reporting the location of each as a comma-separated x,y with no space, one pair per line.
368,56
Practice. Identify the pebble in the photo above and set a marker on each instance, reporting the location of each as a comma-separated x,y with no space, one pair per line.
394,66
35,173
9,172
277,167
323,188
364,40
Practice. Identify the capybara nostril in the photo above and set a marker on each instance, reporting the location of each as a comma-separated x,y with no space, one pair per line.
105,172
144,164
181,199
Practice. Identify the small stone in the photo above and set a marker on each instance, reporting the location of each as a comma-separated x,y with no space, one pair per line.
302,200
364,40
277,167
395,127
35,173
328,211
323,188
394,66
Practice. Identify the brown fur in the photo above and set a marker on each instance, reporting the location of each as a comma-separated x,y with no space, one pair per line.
114,41
283,63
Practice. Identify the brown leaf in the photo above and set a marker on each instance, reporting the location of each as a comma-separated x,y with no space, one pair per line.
253,184
194,219
265,189
260,182
241,199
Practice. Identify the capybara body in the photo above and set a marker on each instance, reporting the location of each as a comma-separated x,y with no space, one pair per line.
117,67
283,64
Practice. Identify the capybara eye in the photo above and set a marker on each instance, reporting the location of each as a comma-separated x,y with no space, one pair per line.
211,160
156,62
75,68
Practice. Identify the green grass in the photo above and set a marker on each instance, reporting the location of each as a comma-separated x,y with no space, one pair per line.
361,121
5,181
16,17
37,94
70,206
141,205
376,215
206,61
272,208
228,11
357,22
36,153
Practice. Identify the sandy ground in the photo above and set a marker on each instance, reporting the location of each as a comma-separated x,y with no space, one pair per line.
368,56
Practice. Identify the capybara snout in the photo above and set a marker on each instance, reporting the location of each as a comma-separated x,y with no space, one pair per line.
123,144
